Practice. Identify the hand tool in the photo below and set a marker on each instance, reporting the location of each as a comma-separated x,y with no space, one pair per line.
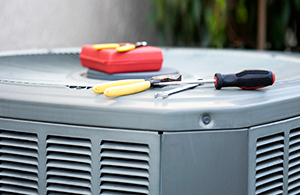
130,86
120,47
246,79
106,46
129,47
166,94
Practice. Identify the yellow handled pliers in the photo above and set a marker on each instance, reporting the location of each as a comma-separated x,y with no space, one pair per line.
119,47
106,46
131,86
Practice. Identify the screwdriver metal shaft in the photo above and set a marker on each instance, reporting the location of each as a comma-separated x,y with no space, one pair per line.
184,82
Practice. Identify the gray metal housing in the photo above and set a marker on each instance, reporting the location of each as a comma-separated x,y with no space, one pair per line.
58,137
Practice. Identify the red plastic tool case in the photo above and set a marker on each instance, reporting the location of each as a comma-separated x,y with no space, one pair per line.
146,58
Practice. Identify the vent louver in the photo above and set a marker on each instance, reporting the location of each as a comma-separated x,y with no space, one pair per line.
68,165
294,162
269,164
18,163
124,168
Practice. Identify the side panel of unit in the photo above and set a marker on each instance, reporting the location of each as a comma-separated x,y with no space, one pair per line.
205,162
44,158
274,158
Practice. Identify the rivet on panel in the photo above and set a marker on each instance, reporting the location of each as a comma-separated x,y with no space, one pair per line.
206,119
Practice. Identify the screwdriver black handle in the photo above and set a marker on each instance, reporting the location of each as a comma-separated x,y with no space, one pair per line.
246,79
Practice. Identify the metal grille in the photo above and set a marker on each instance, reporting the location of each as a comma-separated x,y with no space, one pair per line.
124,168
76,160
68,165
18,163
270,164
39,65
294,162
40,69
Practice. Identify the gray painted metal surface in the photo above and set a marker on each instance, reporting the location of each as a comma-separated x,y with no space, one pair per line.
205,162
46,158
58,136
49,81
274,158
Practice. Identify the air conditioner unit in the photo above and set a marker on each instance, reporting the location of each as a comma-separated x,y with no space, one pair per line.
58,137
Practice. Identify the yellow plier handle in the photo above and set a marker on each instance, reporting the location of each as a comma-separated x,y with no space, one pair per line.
118,47
106,46
127,89
100,88
122,87
129,47
124,48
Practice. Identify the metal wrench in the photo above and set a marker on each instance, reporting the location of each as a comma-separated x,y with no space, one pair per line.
166,94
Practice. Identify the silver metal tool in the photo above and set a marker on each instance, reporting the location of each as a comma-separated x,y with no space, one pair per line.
166,94
184,82
141,43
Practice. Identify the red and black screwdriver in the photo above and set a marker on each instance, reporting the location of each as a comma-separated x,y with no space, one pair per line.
246,79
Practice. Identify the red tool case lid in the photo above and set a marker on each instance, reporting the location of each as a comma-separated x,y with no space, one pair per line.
146,58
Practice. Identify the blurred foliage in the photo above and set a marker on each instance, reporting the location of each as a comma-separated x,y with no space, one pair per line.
179,19
283,27
215,19
226,23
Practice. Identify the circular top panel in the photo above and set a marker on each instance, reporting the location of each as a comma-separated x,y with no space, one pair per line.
95,74
54,83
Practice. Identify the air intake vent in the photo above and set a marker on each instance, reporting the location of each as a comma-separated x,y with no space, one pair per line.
269,164
124,168
68,165
294,162
78,87
18,163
